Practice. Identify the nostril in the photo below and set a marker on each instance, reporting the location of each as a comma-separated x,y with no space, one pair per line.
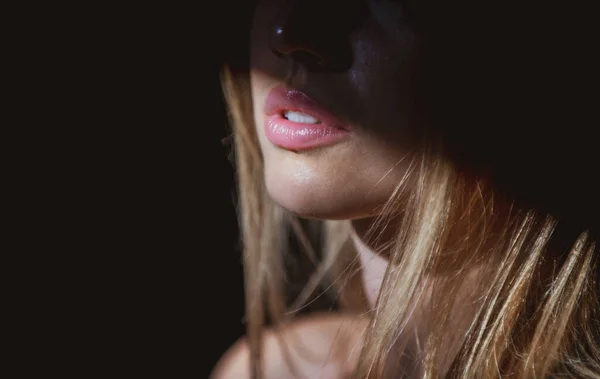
303,31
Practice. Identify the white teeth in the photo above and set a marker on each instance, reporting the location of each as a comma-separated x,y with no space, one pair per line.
300,117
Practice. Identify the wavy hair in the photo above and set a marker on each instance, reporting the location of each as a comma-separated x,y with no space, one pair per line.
535,303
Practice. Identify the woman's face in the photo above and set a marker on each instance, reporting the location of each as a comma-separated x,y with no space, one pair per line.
337,135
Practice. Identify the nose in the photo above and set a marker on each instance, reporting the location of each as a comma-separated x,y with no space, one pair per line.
316,33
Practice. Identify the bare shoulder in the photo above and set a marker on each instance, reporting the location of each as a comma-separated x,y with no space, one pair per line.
319,346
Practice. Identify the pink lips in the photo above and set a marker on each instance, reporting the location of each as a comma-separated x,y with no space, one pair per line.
292,135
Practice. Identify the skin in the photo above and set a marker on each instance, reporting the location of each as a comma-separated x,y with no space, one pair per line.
373,93
322,346
353,178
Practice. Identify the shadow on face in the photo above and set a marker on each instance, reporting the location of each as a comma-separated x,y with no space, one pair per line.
507,85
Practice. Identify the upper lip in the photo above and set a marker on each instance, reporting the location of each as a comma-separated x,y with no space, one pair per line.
281,99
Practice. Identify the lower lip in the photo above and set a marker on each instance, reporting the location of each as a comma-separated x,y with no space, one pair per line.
299,136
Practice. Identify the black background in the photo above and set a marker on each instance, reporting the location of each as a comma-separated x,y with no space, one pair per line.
131,205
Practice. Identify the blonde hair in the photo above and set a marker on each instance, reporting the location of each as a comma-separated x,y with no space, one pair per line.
537,304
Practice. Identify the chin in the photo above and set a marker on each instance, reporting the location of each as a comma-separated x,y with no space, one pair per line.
313,195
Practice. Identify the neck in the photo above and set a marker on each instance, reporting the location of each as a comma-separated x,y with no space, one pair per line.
373,267
374,263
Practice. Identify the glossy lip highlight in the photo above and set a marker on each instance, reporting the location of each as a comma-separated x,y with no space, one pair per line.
292,135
